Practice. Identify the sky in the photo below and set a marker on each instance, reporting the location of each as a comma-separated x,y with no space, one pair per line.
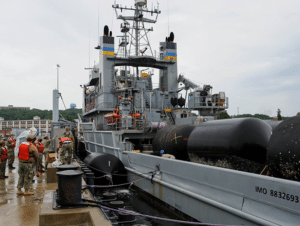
250,49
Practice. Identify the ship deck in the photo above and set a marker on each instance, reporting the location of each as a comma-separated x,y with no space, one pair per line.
37,209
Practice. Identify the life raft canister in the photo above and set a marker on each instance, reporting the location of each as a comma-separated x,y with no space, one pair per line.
113,117
24,150
4,154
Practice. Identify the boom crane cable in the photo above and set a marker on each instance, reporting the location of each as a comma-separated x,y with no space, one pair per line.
64,105
63,101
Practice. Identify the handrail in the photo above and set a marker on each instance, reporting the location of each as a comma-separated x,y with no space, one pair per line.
209,101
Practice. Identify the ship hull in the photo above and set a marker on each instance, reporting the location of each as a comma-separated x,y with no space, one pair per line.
209,194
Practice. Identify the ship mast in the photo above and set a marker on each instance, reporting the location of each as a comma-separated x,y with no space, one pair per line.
138,34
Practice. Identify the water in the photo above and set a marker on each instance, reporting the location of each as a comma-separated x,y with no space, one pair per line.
141,203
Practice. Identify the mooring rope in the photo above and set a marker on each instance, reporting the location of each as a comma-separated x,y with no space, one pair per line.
99,177
120,185
135,213
159,218
124,175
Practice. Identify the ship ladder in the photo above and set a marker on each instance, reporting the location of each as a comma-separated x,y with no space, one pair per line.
170,117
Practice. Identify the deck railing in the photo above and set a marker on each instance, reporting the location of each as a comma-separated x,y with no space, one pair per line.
211,102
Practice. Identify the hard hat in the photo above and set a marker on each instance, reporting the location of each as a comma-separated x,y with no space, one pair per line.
2,142
45,137
29,137
12,134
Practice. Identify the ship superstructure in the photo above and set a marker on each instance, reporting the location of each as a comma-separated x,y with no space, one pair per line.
120,94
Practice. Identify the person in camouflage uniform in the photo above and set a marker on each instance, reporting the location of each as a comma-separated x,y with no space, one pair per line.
66,147
69,134
47,142
40,148
34,163
10,144
3,159
25,166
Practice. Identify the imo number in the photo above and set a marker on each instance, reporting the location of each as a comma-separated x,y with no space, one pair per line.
282,195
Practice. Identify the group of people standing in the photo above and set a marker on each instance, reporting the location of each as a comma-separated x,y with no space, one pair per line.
31,157
7,154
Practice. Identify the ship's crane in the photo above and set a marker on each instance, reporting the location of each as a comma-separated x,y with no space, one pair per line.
188,83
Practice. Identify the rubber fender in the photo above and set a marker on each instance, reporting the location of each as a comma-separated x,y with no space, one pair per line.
284,150
273,124
247,138
174,101
104,164
173,140
82,153
181,101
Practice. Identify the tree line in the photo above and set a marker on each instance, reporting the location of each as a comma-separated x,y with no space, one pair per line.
18,114
224,115
71,114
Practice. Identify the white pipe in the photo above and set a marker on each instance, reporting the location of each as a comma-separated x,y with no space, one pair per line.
142,99
150,100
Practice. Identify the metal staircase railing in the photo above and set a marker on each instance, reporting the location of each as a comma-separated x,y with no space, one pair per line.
147,99
170,117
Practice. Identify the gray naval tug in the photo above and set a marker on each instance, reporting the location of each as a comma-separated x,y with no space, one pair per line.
127,122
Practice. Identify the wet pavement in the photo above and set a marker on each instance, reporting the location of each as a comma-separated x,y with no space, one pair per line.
19,209
37,209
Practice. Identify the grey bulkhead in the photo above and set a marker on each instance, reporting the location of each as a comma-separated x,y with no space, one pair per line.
106,98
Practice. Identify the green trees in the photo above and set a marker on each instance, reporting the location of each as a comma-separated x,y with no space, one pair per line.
16,114
260,116
224,115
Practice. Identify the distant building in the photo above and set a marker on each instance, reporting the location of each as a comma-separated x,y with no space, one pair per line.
43,126
11,107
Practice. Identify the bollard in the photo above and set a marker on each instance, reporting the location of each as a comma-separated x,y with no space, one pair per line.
82,165
117,204
84,168
87,171
69,186
67,167
90,180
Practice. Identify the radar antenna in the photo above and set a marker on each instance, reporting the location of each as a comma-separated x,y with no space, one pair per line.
139,33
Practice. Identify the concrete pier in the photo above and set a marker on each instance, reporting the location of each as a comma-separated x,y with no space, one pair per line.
37,209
